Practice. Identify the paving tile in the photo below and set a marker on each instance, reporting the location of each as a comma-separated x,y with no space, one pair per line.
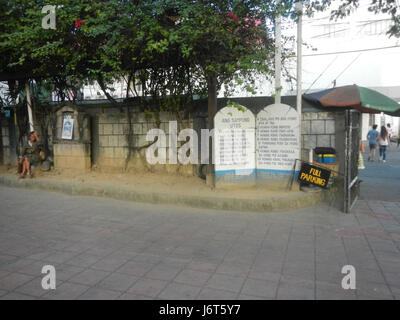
135,268
40,255
329,273
369,275
65,272
393,279
295,292
17,296
133,296
163,272
396,292
17,265
99,294
109,263
178,291
148,258
59,257
328,291
66,291
204,266
374,290
192,277
247,297
215,294
294,288
273,266
264,275
305,271
3,273
6,259
33,288
83,260
148,287
225,282
364,297
14,280
234,269
260,288
89,277
118,282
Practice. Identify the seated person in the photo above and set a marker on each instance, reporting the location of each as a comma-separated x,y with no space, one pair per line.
32,154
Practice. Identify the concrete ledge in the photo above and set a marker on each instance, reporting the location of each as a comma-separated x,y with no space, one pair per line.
290,202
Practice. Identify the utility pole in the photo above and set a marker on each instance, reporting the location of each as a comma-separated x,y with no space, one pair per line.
278,56
29,104
299,11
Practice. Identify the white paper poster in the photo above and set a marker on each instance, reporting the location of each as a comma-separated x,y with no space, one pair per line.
68,127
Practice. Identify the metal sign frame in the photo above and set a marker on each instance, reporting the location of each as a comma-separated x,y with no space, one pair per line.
351,186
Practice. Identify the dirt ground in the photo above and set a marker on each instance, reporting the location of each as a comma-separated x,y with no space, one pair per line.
154,182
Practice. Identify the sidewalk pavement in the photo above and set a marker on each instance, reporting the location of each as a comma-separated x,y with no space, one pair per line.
167,189
381,181
109,249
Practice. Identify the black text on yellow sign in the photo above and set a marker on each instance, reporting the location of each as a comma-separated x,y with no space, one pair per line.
314,175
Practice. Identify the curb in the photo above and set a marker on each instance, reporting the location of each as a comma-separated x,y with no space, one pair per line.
294,202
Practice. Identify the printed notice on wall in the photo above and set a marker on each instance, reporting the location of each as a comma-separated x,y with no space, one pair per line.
277,138
68,127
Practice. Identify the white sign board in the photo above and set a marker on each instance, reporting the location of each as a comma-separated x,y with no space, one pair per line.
234,143
277,138
68,127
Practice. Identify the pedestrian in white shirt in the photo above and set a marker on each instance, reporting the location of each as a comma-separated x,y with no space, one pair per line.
383,141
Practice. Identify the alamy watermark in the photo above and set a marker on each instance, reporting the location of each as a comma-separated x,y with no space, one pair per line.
49,280
233,145
49,20
349,280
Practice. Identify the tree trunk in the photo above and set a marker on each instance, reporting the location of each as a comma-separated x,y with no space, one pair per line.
212,109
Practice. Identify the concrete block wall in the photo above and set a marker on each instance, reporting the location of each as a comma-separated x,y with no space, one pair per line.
113,148
72,156
318,130
5,143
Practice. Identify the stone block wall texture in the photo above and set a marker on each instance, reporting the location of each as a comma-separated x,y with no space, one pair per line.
318,130
72,156
5,157
113,148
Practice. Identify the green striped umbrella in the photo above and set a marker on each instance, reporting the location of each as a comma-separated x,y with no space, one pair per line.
360,98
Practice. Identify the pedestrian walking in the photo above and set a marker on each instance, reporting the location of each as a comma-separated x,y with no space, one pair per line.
383,140
372,139
390,132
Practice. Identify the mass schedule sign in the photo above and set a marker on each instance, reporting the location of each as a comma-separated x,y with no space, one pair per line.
245,143
277,128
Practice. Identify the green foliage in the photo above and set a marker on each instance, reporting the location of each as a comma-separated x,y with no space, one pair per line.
233,104
170,47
